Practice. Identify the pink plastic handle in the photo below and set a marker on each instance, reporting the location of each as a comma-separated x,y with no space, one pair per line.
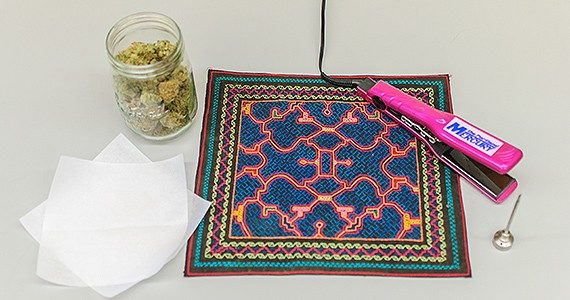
476,143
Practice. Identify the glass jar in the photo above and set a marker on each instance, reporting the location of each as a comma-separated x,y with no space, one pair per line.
157,100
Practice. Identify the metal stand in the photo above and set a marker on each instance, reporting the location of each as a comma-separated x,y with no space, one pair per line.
503,239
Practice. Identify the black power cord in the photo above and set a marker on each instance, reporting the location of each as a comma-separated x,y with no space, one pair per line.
349,83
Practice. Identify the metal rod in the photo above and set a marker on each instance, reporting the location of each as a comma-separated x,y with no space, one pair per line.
513,213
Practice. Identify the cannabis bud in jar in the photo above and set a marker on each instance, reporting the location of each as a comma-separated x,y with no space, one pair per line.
153,81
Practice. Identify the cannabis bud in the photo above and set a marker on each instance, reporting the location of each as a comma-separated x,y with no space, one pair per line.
156,105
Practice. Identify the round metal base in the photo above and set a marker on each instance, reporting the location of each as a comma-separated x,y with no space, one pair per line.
503,240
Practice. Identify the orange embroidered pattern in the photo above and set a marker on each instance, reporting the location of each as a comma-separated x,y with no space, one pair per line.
307,178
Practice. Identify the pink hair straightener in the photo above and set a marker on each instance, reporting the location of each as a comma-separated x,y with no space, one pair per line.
479,157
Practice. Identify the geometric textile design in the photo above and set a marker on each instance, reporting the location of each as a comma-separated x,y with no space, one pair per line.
307,178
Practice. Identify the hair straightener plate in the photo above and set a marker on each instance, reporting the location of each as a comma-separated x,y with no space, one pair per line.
479,157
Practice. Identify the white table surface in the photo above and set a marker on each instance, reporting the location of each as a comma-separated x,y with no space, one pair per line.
509,62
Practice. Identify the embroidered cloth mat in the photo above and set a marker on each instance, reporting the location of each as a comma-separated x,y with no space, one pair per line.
307,178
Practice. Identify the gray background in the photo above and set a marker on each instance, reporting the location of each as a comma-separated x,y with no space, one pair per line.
509,62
